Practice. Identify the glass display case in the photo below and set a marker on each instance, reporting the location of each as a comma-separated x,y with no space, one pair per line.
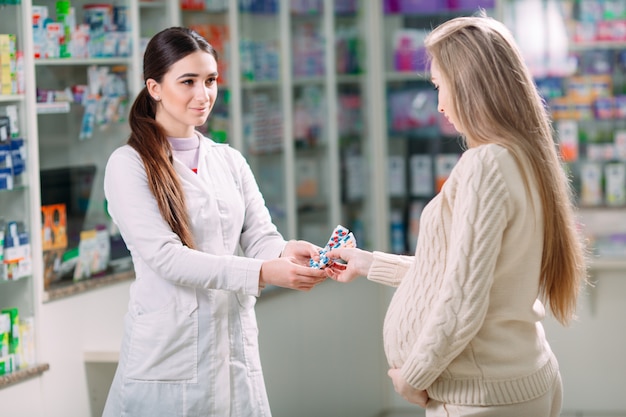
354,139
211,20
83,77
265,115
311,137
577,53
422,147
281,90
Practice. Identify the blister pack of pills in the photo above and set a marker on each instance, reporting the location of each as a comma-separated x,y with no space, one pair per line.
340,238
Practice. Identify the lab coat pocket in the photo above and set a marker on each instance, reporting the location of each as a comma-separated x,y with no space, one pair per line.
250,332
163,346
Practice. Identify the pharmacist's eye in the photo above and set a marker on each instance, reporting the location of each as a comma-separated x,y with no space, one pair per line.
187,82
211,81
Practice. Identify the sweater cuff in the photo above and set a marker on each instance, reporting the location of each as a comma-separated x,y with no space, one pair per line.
416,376
387,269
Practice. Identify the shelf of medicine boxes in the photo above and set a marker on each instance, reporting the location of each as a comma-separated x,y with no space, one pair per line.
610,246
68,288
20,375
7,288
17,293
64,107
63,289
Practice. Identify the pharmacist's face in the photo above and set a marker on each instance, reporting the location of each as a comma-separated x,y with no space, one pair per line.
186,94
445,104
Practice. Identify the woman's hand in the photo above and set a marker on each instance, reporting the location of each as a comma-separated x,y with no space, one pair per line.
301,250
407,392
358,264
289,272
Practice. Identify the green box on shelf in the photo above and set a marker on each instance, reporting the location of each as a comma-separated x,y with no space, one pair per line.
7,364
5,332
14,333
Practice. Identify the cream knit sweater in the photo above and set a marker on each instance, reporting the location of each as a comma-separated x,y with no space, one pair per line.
464,322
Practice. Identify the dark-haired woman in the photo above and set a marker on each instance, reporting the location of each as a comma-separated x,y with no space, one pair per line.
185,207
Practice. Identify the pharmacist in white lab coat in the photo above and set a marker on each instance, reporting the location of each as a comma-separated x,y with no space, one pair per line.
190,335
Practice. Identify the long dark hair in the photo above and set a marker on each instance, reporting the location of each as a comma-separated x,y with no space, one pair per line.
148,138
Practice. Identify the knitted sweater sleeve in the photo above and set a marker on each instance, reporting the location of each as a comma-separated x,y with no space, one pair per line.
479,197
389,269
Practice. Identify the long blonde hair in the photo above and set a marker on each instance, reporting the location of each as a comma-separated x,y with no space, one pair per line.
496,101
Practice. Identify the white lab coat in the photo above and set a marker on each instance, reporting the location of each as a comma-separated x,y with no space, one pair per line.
190,335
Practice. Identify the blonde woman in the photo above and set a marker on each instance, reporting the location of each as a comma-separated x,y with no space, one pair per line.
463,333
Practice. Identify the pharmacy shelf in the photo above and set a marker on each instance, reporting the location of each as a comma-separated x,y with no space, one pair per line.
406,76
83,61
14,98
22,375
147,4
608,265
53,108
588,46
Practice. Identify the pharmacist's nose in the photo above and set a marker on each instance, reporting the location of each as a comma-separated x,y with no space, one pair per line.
203,94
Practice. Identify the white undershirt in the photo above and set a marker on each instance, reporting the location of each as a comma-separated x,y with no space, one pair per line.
186,150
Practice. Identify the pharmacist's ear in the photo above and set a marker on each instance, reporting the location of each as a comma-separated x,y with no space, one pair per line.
154,89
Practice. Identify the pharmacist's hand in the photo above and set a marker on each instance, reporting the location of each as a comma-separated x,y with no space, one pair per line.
287,272
301,250
358,262
407,392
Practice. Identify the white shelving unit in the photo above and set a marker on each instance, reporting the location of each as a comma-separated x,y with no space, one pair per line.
52,132
20,203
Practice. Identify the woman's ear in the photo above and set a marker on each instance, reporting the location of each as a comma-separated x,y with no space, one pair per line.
154,89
